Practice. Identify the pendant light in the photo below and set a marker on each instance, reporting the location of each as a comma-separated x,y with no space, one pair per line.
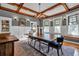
39,15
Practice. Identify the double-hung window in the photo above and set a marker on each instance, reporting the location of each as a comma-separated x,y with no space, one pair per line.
57,27
73,25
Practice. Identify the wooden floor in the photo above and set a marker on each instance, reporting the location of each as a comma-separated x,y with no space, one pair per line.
20,51
71,44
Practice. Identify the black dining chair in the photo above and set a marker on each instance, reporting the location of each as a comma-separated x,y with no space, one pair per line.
30,39
33,40
57,45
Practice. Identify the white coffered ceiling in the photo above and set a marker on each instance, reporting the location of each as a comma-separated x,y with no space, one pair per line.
58,9
9,6
27,12
70,5
33,8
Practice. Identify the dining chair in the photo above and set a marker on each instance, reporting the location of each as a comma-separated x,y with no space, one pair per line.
57,45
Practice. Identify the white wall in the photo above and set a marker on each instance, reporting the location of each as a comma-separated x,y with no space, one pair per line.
18,31
64,29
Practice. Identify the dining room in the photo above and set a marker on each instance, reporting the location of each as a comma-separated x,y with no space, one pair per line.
39,29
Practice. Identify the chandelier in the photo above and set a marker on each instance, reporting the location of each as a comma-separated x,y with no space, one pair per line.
40,15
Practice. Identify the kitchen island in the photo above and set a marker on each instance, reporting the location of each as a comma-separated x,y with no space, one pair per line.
7,44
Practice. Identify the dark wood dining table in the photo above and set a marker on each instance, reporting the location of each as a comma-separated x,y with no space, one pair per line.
52,37
47,37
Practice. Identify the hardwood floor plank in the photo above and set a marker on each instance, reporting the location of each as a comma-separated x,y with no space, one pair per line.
71,44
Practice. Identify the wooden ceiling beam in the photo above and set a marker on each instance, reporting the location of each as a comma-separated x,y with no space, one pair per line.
14,11
73,8
65,6
51,7
56,14
14,4
20,6
23,7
